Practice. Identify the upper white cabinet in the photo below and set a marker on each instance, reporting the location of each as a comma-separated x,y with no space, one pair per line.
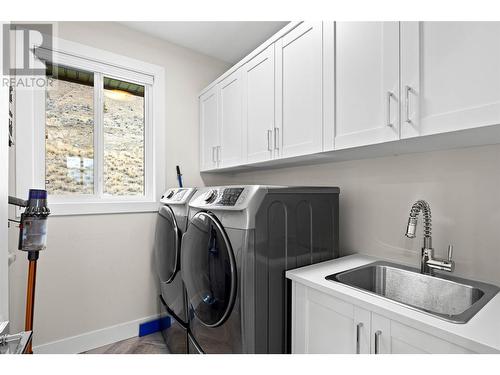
209,130
325,86
299,63
450,76
367,83
231,120
258,106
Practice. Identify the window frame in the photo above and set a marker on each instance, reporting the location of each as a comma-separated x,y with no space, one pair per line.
30,130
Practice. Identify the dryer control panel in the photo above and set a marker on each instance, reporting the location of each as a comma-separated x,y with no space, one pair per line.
177,195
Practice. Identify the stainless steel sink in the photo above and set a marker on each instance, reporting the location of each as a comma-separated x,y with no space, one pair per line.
447,297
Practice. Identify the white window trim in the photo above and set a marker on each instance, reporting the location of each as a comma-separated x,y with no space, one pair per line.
30,131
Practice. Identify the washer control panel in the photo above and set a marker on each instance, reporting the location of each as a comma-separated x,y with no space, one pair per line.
210,196
231,197
222,197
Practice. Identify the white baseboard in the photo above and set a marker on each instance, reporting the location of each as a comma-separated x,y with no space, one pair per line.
94,339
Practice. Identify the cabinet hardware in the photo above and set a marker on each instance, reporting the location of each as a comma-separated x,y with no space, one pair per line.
213,154
408,90
276,138
389,96
269,140
218,153
358,334
377,341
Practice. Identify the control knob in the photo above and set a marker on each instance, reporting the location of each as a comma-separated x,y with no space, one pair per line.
210,196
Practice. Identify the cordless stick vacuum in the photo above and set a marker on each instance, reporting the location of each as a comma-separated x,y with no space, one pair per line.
33,239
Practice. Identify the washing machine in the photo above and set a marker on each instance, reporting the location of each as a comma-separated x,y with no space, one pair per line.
170,225
239,243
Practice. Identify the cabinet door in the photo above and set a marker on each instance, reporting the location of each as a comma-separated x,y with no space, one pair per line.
450,76
299,91
258,106
209,132
390,337
367,83
324,324
230,120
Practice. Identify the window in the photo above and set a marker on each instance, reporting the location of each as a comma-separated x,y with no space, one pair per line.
70,135
123,138
97,133
69,131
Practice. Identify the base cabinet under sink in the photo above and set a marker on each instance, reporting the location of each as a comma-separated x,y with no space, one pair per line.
328,325
391,337
322,324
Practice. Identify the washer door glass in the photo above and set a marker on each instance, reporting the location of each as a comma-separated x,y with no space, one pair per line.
208,269
167,245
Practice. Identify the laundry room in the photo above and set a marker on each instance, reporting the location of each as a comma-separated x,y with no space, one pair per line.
322,183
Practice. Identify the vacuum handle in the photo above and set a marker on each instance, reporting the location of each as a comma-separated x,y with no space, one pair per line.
18,202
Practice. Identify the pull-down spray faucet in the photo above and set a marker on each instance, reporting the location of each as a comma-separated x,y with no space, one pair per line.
428,263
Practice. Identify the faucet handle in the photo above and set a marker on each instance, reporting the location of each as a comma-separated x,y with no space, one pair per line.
450,252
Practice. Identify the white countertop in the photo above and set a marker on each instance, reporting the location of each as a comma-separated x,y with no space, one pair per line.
480,334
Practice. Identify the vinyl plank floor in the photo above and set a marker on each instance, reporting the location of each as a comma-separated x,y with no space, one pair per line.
150,344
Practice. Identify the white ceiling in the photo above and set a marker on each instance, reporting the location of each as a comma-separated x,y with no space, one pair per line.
224,40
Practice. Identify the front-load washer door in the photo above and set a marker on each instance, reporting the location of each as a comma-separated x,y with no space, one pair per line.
167,245
208,269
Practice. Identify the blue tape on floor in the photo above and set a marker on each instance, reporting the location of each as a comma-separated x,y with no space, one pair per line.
154,326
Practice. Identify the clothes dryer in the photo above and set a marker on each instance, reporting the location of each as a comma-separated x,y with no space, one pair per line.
170,225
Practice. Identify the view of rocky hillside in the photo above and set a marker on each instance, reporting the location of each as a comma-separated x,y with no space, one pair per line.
70,137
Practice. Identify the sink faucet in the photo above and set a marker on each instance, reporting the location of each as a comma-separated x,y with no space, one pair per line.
428,263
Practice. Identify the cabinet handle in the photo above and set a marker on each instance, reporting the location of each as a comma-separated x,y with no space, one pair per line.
358,337
377,341
218,153
276,138
269,140
213,154
389,96
408,89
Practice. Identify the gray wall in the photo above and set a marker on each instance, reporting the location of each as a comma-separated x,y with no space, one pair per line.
462,187
97,270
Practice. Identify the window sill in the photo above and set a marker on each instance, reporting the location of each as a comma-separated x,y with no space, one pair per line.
98,208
